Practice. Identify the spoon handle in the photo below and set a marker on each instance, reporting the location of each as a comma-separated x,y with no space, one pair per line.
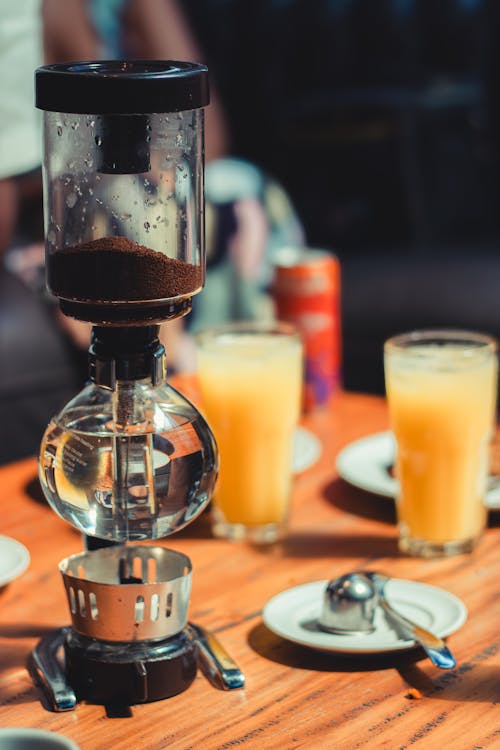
436,649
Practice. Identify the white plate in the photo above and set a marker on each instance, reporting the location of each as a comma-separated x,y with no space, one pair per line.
14,559
306,450
365,464
293,614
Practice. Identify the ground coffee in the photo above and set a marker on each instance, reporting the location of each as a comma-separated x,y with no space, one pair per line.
115,269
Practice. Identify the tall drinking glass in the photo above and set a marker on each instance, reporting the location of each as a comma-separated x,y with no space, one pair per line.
441,390
251,384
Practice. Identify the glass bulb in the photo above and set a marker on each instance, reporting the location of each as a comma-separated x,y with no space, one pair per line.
138,462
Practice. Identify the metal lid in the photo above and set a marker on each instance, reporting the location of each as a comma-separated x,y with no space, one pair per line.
121,87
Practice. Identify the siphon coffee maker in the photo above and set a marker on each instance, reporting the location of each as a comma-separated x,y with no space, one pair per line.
129,458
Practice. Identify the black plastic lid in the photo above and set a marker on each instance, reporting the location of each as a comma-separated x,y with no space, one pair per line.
121,87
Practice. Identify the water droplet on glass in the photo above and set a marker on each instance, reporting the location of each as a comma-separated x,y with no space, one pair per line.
71,200
147,226
178,139
51,236
98,140
59,130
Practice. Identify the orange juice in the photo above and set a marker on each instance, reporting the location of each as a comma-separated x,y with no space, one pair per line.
251,384
442,405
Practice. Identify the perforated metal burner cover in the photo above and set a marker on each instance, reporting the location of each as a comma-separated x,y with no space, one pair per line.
131,593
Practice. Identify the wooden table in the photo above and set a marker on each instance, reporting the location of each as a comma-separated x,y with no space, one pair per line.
294,697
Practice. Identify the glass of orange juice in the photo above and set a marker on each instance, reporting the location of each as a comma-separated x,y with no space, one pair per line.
442,390
250,378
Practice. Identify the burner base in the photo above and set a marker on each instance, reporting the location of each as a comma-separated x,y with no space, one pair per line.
111,673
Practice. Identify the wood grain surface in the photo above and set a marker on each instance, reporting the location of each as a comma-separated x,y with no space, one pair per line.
294,697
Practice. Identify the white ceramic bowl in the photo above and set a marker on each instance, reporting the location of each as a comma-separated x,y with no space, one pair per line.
18,738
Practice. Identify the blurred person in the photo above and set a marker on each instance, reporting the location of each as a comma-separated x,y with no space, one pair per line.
36,368
20,135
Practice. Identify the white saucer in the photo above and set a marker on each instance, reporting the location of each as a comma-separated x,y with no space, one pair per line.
306,450
14,559
365,464
293,614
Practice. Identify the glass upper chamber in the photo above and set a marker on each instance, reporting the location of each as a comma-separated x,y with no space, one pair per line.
123,187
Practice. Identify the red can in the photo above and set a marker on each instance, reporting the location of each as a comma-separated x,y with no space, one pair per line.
306,292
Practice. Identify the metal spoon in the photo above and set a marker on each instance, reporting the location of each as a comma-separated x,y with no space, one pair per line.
435,648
